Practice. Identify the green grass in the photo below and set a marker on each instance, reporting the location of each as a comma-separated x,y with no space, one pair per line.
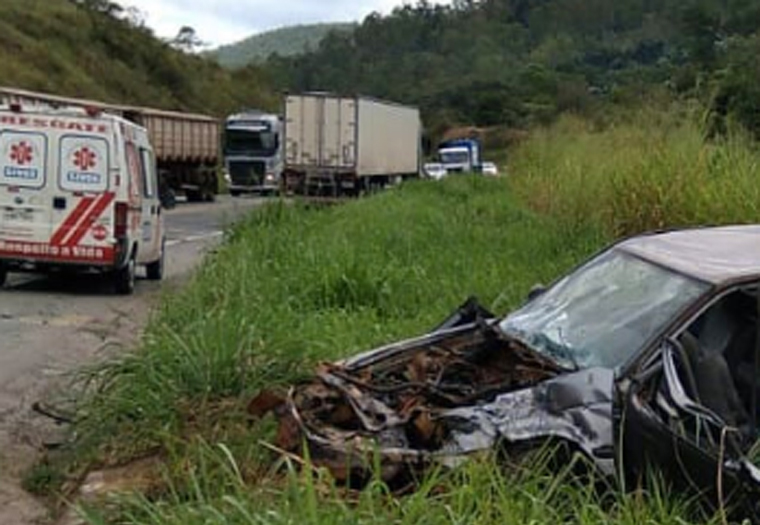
294,285
653,170
477,492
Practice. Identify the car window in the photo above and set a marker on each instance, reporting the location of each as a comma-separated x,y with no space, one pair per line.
605,312
134,166
148,168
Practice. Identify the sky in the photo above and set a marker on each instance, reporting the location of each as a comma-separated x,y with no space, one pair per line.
218,22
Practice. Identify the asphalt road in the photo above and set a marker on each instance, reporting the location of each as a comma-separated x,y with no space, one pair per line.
52,326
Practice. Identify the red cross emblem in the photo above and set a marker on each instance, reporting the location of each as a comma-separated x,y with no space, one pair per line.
85,158
21,153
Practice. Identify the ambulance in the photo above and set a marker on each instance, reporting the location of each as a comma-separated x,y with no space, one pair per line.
78,191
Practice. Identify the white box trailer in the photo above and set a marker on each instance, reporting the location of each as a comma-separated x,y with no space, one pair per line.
335,145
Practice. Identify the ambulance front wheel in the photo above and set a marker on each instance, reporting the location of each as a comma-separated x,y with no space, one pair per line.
3,274
124,279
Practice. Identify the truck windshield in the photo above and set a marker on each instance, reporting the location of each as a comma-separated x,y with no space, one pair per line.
454,156
247,142
603,313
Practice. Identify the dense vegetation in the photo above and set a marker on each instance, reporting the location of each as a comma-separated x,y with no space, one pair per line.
508,63
334,287
647,169
285,42
517,62
94,49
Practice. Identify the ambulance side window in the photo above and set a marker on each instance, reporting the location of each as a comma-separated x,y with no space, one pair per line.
148,173
135,175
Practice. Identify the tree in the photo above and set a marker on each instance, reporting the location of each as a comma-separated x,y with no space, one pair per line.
187,40
101,6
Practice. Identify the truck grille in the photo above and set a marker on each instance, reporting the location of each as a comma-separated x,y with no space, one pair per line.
247,173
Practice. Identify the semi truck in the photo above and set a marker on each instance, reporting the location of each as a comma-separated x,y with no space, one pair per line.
461,155
253,152
342,146
187,145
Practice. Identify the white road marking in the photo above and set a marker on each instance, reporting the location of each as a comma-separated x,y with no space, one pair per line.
194,238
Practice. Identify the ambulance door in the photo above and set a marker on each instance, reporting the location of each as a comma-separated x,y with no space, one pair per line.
136,189
83,198
151,231
25,199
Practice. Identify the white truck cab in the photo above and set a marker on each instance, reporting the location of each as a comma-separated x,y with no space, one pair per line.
78,191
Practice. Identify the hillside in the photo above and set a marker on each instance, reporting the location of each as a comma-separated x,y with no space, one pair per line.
522,62
87,48
286,41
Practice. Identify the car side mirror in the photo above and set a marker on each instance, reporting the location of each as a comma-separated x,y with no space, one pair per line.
538,289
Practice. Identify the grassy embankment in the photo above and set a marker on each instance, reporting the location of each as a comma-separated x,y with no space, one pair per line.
654,170
293,286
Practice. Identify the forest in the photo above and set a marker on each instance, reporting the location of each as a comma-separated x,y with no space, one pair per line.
506,63
516,63
284,41
98,49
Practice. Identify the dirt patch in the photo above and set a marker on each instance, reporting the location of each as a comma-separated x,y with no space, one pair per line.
25,433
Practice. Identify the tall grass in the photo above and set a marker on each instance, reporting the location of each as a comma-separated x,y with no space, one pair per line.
477,492
293,285
654,170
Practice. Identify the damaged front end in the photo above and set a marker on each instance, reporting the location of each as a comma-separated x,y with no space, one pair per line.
464,388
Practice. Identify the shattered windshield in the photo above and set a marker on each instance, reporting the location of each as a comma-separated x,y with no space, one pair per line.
604,313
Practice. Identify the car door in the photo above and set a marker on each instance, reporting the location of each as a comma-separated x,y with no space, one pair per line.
26,190
151,230
670,418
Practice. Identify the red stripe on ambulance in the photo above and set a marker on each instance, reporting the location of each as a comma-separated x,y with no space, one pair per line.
87,222
71,221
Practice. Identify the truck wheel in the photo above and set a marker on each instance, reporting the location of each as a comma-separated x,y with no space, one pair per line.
235,193
194,195
169,199
124,278
155,270
3,274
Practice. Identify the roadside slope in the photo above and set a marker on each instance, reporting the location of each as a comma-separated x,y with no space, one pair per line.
68,49
295,285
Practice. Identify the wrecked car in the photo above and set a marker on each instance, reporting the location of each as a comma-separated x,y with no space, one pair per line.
647,354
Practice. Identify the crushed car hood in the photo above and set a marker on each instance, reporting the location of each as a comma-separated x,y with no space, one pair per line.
463,388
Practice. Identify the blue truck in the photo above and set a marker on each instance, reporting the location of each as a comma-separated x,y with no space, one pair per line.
462,155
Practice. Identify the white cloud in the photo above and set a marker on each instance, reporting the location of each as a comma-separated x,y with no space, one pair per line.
223,21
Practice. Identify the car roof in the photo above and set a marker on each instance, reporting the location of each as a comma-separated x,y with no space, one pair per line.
718,255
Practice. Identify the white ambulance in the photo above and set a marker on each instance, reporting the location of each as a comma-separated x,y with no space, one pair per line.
78,191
